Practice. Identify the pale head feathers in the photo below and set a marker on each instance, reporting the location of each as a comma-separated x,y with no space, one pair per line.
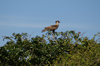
57,21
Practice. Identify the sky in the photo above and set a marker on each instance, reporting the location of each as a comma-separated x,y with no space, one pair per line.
31,16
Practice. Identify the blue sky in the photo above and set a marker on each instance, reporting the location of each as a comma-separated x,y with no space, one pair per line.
31,16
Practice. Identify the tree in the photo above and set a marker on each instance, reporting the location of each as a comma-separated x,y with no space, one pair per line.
67,48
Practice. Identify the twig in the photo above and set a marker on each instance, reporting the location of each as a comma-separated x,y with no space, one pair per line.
30,35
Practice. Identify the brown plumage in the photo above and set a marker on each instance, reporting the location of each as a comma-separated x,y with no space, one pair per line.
52,27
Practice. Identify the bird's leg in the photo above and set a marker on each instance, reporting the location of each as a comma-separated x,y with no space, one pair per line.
53,31
53,34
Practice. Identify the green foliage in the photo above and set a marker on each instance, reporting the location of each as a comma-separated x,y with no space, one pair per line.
59,49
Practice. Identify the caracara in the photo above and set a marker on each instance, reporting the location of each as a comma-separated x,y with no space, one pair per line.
52,27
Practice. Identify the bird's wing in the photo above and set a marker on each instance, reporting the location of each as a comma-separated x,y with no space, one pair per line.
52,27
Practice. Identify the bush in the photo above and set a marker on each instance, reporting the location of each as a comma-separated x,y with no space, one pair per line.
59,49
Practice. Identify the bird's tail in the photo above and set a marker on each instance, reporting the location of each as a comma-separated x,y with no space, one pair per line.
44,30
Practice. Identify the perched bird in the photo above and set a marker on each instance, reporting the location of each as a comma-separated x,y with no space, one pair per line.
51,27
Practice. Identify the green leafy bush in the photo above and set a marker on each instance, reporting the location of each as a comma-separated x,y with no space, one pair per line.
59,49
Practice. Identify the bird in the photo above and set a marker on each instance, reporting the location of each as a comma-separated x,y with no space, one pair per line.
52,27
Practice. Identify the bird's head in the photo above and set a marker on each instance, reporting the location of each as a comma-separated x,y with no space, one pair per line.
57,21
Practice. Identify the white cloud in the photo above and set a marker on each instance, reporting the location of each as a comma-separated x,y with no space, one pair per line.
23,25
29,22
78,26
42,25
22,21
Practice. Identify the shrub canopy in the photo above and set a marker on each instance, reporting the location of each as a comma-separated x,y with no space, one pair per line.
59,49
